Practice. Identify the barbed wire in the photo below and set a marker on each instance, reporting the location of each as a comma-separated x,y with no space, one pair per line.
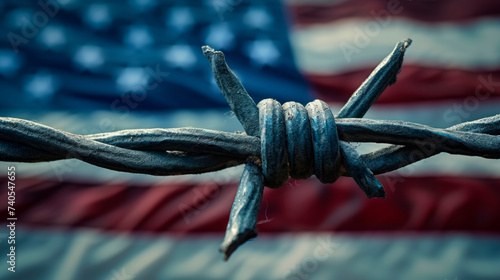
281,141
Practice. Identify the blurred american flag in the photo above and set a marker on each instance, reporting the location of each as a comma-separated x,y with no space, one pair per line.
96,66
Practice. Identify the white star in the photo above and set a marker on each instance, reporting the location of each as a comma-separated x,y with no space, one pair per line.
180,18
132,77
263,52
138,37
180,56
89,57
220,36
53,37
9,63
222,6
98,16
257,18
41,86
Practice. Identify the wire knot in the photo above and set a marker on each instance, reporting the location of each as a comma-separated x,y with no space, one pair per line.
298,141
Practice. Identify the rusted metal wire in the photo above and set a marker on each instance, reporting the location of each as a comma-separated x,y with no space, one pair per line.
281,141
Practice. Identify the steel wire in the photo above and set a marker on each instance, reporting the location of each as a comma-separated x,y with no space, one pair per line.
281,141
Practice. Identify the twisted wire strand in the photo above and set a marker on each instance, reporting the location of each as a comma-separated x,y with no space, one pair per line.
35,142
281,141
39,143
395,157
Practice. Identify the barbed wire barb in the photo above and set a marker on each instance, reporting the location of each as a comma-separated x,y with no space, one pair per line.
281,141
328,153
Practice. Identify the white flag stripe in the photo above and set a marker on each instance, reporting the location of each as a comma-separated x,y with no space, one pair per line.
351,44
281,256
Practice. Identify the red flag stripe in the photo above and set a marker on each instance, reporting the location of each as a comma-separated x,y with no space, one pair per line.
434,11
416,84
413,203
